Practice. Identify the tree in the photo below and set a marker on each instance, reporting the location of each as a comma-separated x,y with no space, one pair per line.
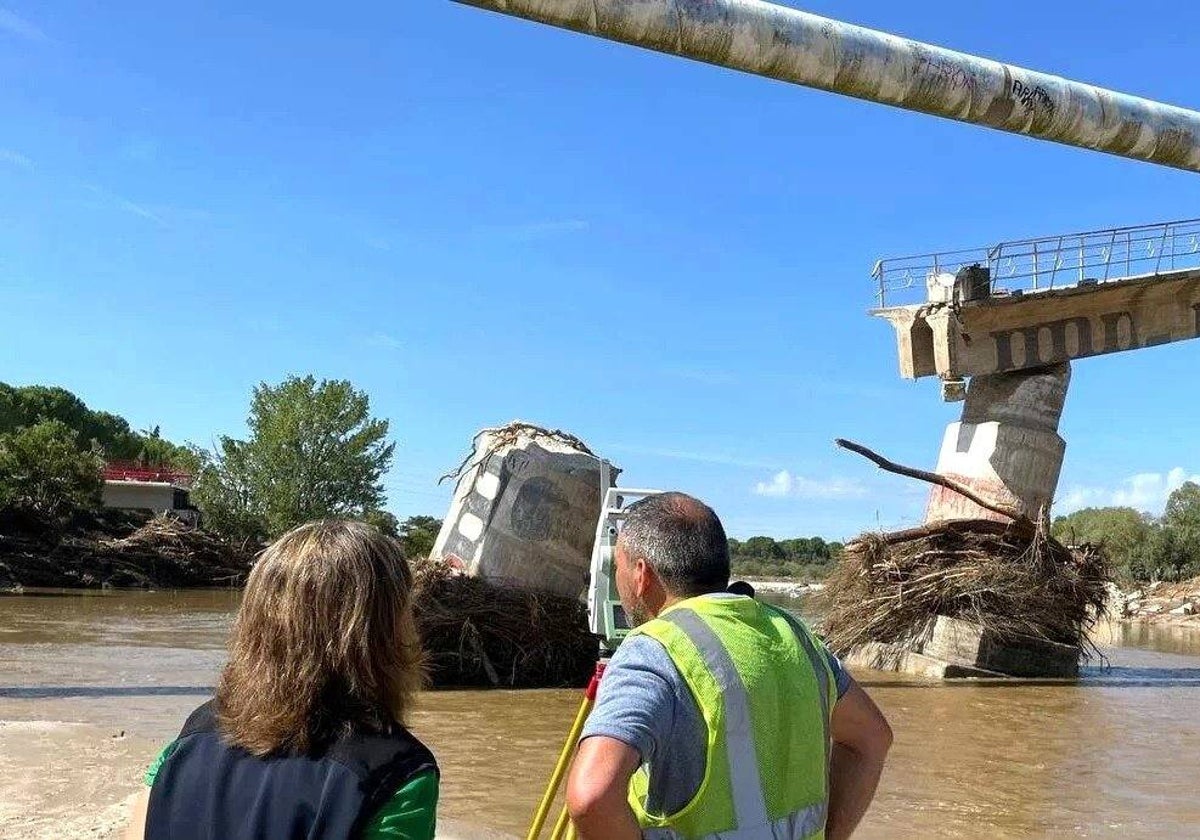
762,548
806,549
1119,529
418,534
384,521
43,471
1182,519
156,451
314,451
30,404
223,492
1125,534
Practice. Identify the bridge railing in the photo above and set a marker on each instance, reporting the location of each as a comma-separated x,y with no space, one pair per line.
1050,262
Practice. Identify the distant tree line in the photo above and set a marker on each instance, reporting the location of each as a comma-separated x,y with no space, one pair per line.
27,406
313,451
1140,546
801,557
53,449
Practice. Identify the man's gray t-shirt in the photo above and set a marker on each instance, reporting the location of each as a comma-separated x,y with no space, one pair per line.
644,702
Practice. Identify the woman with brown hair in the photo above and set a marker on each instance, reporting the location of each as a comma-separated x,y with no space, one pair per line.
305,736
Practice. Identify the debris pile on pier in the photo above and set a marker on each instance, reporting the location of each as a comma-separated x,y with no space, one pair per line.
478,632
176,551
1012,579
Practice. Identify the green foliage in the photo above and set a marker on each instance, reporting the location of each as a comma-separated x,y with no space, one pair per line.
763,548
44,472
417,535
314,451
156,451
224,494
1140,547
1120,529
1182,514
384,521
809,558
110,434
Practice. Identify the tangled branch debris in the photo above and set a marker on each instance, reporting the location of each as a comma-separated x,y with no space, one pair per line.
480,633
890,588
122,549
508,435
1011,578
192,552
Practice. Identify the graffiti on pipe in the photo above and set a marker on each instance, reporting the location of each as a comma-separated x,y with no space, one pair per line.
957,76
1032,97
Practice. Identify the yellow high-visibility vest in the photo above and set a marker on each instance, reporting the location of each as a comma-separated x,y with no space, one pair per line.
766,693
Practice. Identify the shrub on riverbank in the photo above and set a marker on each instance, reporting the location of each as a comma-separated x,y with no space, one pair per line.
46,475
801,572
1143,548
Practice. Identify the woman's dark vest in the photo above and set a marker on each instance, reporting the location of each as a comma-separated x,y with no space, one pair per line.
209,790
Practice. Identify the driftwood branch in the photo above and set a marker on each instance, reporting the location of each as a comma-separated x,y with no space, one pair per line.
980,526
933,478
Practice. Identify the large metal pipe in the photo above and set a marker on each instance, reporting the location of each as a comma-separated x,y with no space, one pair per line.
794,46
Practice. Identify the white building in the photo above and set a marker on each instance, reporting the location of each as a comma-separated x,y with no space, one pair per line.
156,491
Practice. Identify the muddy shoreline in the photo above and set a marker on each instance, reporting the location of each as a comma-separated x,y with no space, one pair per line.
65,779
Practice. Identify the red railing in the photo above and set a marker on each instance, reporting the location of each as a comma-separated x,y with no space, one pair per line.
125,471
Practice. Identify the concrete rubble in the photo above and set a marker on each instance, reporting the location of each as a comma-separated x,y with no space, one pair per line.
1177,603
786,588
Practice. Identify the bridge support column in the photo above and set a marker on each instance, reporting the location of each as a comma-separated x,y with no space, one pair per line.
1006,447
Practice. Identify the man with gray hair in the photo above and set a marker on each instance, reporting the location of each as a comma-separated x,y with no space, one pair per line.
719,716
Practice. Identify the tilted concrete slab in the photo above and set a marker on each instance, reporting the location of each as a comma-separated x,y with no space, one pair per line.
954,640
890,657
953,648
1009,333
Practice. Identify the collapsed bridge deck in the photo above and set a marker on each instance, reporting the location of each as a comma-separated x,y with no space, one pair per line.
1030,303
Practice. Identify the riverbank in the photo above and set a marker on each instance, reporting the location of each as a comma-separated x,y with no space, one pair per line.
72,780
788,588
1162,603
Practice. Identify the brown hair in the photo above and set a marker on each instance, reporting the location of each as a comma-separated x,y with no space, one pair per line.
324,642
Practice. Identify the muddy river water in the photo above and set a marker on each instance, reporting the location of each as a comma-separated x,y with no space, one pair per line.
92,684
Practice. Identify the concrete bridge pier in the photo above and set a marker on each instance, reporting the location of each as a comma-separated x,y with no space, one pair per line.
1006,447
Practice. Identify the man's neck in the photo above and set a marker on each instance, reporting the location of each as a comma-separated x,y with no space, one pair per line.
672,600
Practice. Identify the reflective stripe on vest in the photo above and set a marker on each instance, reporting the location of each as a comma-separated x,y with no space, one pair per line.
746,786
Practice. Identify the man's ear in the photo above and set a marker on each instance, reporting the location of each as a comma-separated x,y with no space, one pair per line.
640,570
643,576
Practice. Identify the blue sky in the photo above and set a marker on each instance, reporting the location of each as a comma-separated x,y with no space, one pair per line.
477,219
